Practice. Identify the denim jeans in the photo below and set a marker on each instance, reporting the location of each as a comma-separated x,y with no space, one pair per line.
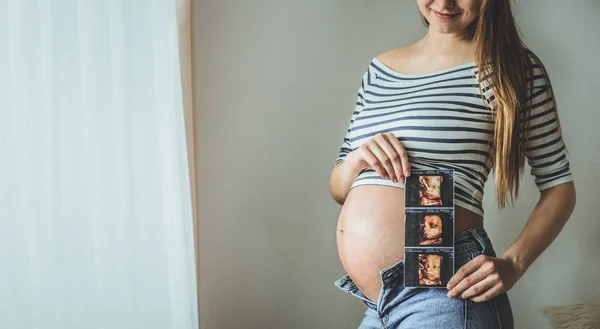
422,308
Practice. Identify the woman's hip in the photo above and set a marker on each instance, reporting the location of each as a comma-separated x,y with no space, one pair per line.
407,307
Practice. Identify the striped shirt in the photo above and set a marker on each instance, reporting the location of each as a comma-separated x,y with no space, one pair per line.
443,122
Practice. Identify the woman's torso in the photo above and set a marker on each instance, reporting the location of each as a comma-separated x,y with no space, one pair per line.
370,233
443,123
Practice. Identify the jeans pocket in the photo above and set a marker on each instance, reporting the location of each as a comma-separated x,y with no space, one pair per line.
464,257
487,251
484,246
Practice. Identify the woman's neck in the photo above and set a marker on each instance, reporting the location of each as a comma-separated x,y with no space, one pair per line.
438,44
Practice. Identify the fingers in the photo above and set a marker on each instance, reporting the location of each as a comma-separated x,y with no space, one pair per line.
393,155
479,288
480,268
401,152
401,164
385,154
381,163
462,280
489,294
467,283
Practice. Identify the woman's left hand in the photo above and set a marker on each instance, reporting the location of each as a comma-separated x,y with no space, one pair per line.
483,278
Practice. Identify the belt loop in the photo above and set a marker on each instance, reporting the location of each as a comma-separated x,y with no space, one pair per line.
479,239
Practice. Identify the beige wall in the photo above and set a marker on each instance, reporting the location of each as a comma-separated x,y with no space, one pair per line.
275,86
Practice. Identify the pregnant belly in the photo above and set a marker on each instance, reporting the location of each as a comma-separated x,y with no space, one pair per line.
370,233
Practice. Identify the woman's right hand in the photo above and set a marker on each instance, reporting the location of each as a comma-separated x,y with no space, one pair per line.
383,153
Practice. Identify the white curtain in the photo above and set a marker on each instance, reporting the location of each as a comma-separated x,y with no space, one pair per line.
96,226
184,24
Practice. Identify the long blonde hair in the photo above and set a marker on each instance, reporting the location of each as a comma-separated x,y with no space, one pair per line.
504,63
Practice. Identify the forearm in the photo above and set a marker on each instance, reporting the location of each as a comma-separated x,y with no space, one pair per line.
341,179
544,224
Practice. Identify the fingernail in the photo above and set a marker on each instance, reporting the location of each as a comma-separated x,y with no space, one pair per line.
406,173
450,294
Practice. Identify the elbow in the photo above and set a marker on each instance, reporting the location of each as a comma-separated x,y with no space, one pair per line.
332,192
339,200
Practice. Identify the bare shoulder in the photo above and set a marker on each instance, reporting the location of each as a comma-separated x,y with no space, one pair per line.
394,54
397,58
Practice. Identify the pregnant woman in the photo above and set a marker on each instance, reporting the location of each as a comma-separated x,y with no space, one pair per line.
468,96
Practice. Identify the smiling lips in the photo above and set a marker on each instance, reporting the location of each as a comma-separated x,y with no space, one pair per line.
444,16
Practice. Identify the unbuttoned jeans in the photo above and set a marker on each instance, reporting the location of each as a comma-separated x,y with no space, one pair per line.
401,307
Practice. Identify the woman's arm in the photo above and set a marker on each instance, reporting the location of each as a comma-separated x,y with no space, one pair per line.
485,277
341,178
344,172
547,157
383,153
545,222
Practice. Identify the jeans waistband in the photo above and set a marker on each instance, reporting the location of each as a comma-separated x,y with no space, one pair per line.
464,242
473,239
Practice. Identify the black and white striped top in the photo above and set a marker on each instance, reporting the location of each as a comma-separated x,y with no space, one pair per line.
443,123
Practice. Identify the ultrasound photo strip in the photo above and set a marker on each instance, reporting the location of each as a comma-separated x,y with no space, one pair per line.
429,228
